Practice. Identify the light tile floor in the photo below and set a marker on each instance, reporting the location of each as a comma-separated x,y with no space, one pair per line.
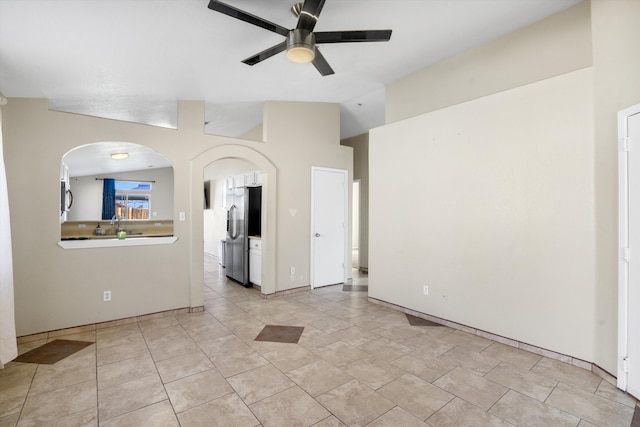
357,363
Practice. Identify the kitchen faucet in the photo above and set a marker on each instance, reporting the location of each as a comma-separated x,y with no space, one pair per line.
116,218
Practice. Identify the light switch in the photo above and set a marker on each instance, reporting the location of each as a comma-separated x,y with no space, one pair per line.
183,217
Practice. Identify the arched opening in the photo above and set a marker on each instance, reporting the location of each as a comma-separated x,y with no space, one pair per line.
106,187
227,155
231,183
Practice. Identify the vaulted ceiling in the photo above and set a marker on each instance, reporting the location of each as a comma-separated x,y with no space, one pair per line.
134,59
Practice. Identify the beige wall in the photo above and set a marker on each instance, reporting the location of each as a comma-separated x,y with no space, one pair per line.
360,145
553,46
254,134
597,33
57,288
616,64
308,137
491,203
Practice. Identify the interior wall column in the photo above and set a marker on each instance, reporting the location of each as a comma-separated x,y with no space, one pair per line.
8,345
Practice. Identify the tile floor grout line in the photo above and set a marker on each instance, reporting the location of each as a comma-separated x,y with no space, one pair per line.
96,377
155,365
24,402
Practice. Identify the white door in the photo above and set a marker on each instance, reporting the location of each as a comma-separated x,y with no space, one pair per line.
629,292
329,197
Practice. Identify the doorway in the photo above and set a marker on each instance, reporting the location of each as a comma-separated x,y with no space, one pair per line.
629,242
215,206
329,226
196,216
355,225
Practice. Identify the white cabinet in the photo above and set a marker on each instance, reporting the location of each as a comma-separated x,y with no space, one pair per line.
253,179
249,179
227,193
255,261
238,181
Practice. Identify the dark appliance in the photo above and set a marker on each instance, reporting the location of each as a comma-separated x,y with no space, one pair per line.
66,197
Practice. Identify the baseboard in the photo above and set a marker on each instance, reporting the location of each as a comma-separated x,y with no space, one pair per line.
589,366
286,292
108,324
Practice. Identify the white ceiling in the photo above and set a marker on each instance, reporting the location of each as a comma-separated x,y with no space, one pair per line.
133,59
95,158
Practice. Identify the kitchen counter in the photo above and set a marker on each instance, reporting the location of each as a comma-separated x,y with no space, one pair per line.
113,236
112,241
86,230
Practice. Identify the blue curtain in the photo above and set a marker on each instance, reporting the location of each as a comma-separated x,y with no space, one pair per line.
108,198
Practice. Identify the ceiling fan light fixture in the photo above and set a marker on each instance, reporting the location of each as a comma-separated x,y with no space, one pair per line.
301,54
301,46
119,156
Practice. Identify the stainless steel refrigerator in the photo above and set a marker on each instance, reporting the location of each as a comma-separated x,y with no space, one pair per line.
243,219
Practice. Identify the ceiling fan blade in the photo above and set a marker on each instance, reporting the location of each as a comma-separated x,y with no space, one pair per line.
353,36
266,54
309,14
247,17
321,64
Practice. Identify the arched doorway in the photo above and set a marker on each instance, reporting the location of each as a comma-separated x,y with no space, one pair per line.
269,180
229,183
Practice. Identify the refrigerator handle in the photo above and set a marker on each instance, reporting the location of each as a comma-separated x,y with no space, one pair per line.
233,225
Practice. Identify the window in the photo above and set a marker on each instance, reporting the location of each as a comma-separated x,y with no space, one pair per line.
131,201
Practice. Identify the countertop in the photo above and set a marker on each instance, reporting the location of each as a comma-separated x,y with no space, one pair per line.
112,241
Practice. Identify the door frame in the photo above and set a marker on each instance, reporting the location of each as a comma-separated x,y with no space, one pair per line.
356,202
623,241
347,221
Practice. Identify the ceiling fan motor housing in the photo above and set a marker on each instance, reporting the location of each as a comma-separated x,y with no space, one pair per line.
301,46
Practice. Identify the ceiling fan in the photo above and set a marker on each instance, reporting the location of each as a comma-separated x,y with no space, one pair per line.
300,42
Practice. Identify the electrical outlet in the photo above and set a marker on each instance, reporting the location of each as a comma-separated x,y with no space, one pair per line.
444,294
106,296
293,271
425,290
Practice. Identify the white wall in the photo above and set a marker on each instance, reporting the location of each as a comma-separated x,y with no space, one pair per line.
597,33
616,64
87,193
498,193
